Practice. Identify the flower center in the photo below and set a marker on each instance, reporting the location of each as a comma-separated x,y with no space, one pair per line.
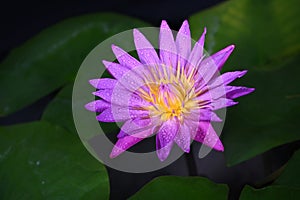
170,92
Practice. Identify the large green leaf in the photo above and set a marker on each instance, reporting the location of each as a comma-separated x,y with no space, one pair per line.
266,35
274,192
171,187
287,186
50,59
291,173
59,111
42,161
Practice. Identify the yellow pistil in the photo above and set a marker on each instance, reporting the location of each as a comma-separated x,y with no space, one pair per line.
171,93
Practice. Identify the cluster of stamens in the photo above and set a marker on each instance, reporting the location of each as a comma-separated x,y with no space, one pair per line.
171,93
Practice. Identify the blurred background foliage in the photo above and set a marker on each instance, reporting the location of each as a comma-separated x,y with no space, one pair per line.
45,159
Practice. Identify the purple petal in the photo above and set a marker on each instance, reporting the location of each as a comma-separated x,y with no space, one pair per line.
103,83
136,101
210,66
208,115
183,43
97,106
118,114
115,69
167,47
145,50
128,141
137,125
222,103
212,94
233,92
227,78
108,116
183,138
122,134
197,52
221,56
165,137
122,97
207,135
124,58
105,94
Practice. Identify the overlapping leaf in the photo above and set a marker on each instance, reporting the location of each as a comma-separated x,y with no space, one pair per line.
286,187
171,187
52,58
266,35
42,161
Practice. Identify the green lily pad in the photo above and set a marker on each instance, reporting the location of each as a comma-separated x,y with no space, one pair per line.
274,192
59,110
51,59
287,186
42,161
291,173
171,187
266,35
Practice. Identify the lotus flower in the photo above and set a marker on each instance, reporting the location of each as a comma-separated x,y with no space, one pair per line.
174,94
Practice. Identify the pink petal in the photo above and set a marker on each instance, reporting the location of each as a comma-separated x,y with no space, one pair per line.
122,97
207,135
212,94
233,92
165,137
183,43
97,106
105,94
227,78
222,103
221,56
124,58
183,138
197,52
208,115
134,126
118,113
210,66
108,116
145,50
167,47
115,69
128,141
103,83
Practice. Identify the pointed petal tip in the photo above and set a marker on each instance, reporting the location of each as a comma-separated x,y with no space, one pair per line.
228,50
136,32
106,63
185,28
187,150
115,48
185,23
94,82
231,46
219,146
251,90
204,31
161,156
243,73
115,152
164,24
112,155
90,106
